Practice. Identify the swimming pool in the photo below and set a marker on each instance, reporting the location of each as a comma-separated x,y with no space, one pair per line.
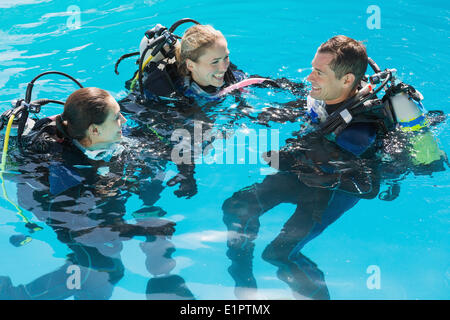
404,243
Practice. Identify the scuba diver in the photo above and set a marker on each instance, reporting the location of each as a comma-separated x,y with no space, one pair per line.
75,176
181,80
196,67
203,66
169,68
333,163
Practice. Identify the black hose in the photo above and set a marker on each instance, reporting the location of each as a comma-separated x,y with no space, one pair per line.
373,65
21,125
141,61
180,22
124,57
28,93
31,84
335,120
42,102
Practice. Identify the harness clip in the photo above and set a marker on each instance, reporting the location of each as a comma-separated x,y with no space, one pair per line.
346,116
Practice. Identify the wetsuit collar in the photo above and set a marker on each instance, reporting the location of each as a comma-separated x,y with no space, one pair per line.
209,89
330,108
193,89
104,154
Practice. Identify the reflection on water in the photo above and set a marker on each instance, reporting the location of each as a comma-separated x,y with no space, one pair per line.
84,202
86,211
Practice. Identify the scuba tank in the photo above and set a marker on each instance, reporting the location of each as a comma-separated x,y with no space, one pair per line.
162,42
406,104
411,118
400,108
19,111
18,124
157,44
406,111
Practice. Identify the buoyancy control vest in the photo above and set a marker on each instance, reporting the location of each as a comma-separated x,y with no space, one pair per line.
399,109
158,76
44,137
357,137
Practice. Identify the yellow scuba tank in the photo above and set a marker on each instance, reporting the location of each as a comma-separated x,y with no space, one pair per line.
411,118
408,114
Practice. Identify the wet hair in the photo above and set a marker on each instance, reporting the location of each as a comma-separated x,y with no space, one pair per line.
350,56
193,45
82,108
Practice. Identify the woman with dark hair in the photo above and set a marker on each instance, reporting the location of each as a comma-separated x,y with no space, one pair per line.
77,179
90,128
92,116
91,121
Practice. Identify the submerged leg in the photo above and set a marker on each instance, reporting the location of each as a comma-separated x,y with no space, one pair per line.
241,216
159,262
301,274
310,219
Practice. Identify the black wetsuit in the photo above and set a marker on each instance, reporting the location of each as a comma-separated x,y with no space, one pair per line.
85,204
324,181
162,79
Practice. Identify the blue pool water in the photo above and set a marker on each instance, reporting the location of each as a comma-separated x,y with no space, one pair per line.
406,241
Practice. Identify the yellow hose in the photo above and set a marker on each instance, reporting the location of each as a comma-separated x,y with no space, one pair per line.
6,143
2,170
146,62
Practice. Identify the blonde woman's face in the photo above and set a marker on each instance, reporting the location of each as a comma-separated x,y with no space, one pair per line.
210,68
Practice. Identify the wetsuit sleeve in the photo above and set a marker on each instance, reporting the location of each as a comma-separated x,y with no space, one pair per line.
320,163
297,89
359,181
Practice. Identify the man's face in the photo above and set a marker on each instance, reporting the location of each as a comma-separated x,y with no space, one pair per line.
325,85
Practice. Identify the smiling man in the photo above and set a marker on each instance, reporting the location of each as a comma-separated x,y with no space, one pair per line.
338,67
323,175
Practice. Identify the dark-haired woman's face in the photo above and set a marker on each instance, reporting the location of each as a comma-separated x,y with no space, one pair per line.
111,129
